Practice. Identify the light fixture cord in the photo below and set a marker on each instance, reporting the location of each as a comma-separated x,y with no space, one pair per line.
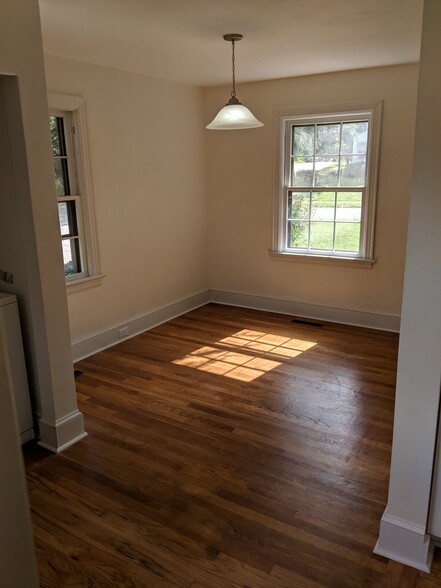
233,93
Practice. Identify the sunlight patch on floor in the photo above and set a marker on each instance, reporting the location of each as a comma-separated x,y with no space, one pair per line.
235,355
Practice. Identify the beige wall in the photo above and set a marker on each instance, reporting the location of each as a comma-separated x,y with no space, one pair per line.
158,233
241,187
146,144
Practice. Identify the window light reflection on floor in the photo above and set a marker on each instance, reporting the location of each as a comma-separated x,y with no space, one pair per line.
234,357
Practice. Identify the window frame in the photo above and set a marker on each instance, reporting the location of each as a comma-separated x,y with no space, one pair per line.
284,119
72,109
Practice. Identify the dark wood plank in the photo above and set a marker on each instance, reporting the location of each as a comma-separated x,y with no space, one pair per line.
226,448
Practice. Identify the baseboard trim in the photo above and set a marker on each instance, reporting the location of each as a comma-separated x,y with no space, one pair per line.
63,433
405,542
343,316
26,436
104,339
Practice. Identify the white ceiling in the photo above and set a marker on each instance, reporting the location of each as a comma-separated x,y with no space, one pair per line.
181,40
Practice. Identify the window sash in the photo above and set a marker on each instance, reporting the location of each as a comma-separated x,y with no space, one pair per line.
288,222
79,250
315,157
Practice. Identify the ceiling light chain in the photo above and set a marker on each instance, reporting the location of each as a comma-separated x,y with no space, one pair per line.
233,93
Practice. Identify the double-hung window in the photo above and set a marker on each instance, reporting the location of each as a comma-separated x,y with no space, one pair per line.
73,189
68,197
327,177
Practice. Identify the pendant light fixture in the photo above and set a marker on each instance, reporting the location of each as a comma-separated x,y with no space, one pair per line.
234,115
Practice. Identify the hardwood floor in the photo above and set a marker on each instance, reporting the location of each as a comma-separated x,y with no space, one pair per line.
226,448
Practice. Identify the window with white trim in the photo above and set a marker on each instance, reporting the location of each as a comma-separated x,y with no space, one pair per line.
73,189
325,206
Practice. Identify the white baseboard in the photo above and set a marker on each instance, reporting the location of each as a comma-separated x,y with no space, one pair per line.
344,316
109,337
26,436
63,433
405,542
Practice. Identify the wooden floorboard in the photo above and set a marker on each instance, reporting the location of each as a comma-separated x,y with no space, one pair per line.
226,448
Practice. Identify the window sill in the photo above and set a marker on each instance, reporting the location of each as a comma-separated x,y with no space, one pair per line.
84,283
323,259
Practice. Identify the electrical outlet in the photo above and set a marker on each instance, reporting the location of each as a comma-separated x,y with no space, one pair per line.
123,332
6,277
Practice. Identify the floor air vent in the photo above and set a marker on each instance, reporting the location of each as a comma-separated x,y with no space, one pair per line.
307,323
77,373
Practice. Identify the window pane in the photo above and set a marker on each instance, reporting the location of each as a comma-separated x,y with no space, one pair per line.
64,219
71,256
347,236
328,140
303,140
354,138
353,170
298,234
67,213
55,136
56,125
349,206
322,235
326,171
61,177
298,205
323,206
302,171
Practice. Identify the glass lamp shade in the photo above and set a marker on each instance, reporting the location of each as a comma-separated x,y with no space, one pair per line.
234,116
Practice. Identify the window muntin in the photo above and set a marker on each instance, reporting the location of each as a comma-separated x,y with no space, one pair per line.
328,165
